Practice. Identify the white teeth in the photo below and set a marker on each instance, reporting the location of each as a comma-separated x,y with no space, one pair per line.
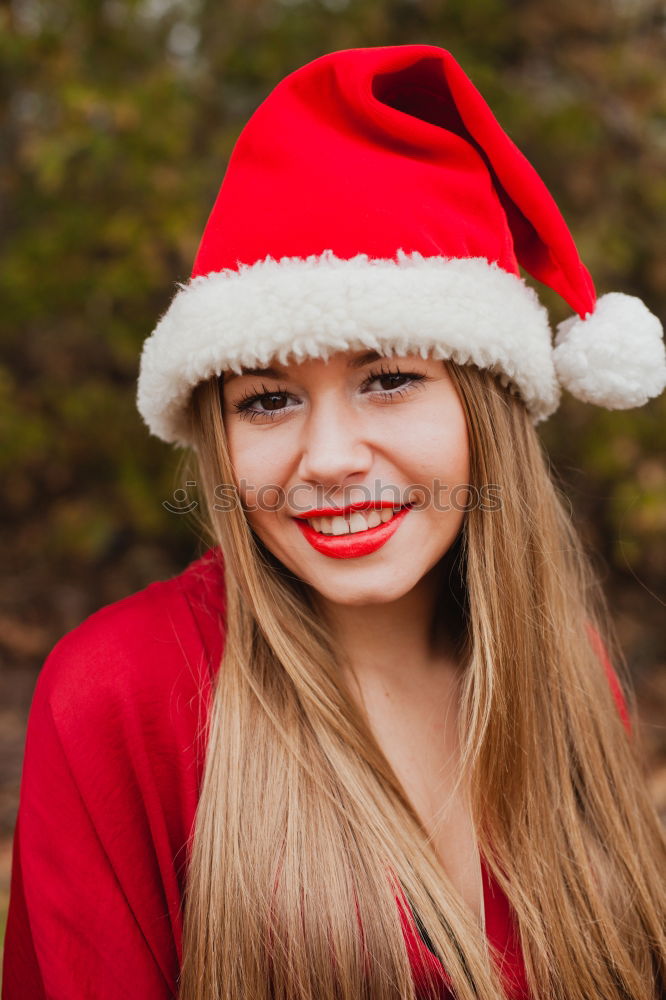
358,521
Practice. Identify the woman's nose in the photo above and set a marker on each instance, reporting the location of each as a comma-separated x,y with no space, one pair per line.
333,446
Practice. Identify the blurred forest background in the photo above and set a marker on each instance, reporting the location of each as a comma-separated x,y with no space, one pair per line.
117,120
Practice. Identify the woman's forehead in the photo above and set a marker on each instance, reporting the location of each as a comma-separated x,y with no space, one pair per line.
350,360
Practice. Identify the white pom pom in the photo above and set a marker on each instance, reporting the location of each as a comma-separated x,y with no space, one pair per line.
615,357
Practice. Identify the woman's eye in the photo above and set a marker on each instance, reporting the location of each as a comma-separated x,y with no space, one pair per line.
273,401
392,379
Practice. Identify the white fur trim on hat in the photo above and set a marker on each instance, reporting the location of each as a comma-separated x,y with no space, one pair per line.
615,357
467,309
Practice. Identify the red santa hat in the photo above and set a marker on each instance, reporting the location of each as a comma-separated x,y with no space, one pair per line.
373,201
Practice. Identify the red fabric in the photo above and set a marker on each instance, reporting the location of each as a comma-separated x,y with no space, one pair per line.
112,770
384,149
501,931
613,681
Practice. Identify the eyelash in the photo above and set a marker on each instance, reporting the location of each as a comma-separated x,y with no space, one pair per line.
242,406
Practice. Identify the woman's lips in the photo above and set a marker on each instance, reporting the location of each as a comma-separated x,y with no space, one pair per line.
361,543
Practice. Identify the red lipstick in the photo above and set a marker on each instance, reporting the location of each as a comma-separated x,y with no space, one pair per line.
344,511
361,543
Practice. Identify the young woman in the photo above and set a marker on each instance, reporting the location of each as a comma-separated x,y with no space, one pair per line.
370,744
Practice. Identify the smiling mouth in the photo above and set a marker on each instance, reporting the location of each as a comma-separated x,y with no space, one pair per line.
354,523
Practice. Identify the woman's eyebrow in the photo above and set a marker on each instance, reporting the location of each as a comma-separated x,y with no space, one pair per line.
269,372
356,362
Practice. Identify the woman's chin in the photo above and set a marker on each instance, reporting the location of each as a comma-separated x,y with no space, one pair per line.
379,588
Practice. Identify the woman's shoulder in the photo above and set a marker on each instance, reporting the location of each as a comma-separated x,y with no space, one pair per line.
140,655
112,770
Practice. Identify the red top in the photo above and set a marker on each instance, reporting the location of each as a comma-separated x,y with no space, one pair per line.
111,775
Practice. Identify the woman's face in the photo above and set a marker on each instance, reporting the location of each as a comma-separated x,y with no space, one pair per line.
358,430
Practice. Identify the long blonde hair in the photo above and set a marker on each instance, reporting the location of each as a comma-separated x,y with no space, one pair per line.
303,833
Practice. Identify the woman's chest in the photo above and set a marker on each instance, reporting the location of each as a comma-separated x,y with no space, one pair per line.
446,817
420,742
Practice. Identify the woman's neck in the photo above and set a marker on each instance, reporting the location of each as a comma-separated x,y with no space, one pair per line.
401,644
